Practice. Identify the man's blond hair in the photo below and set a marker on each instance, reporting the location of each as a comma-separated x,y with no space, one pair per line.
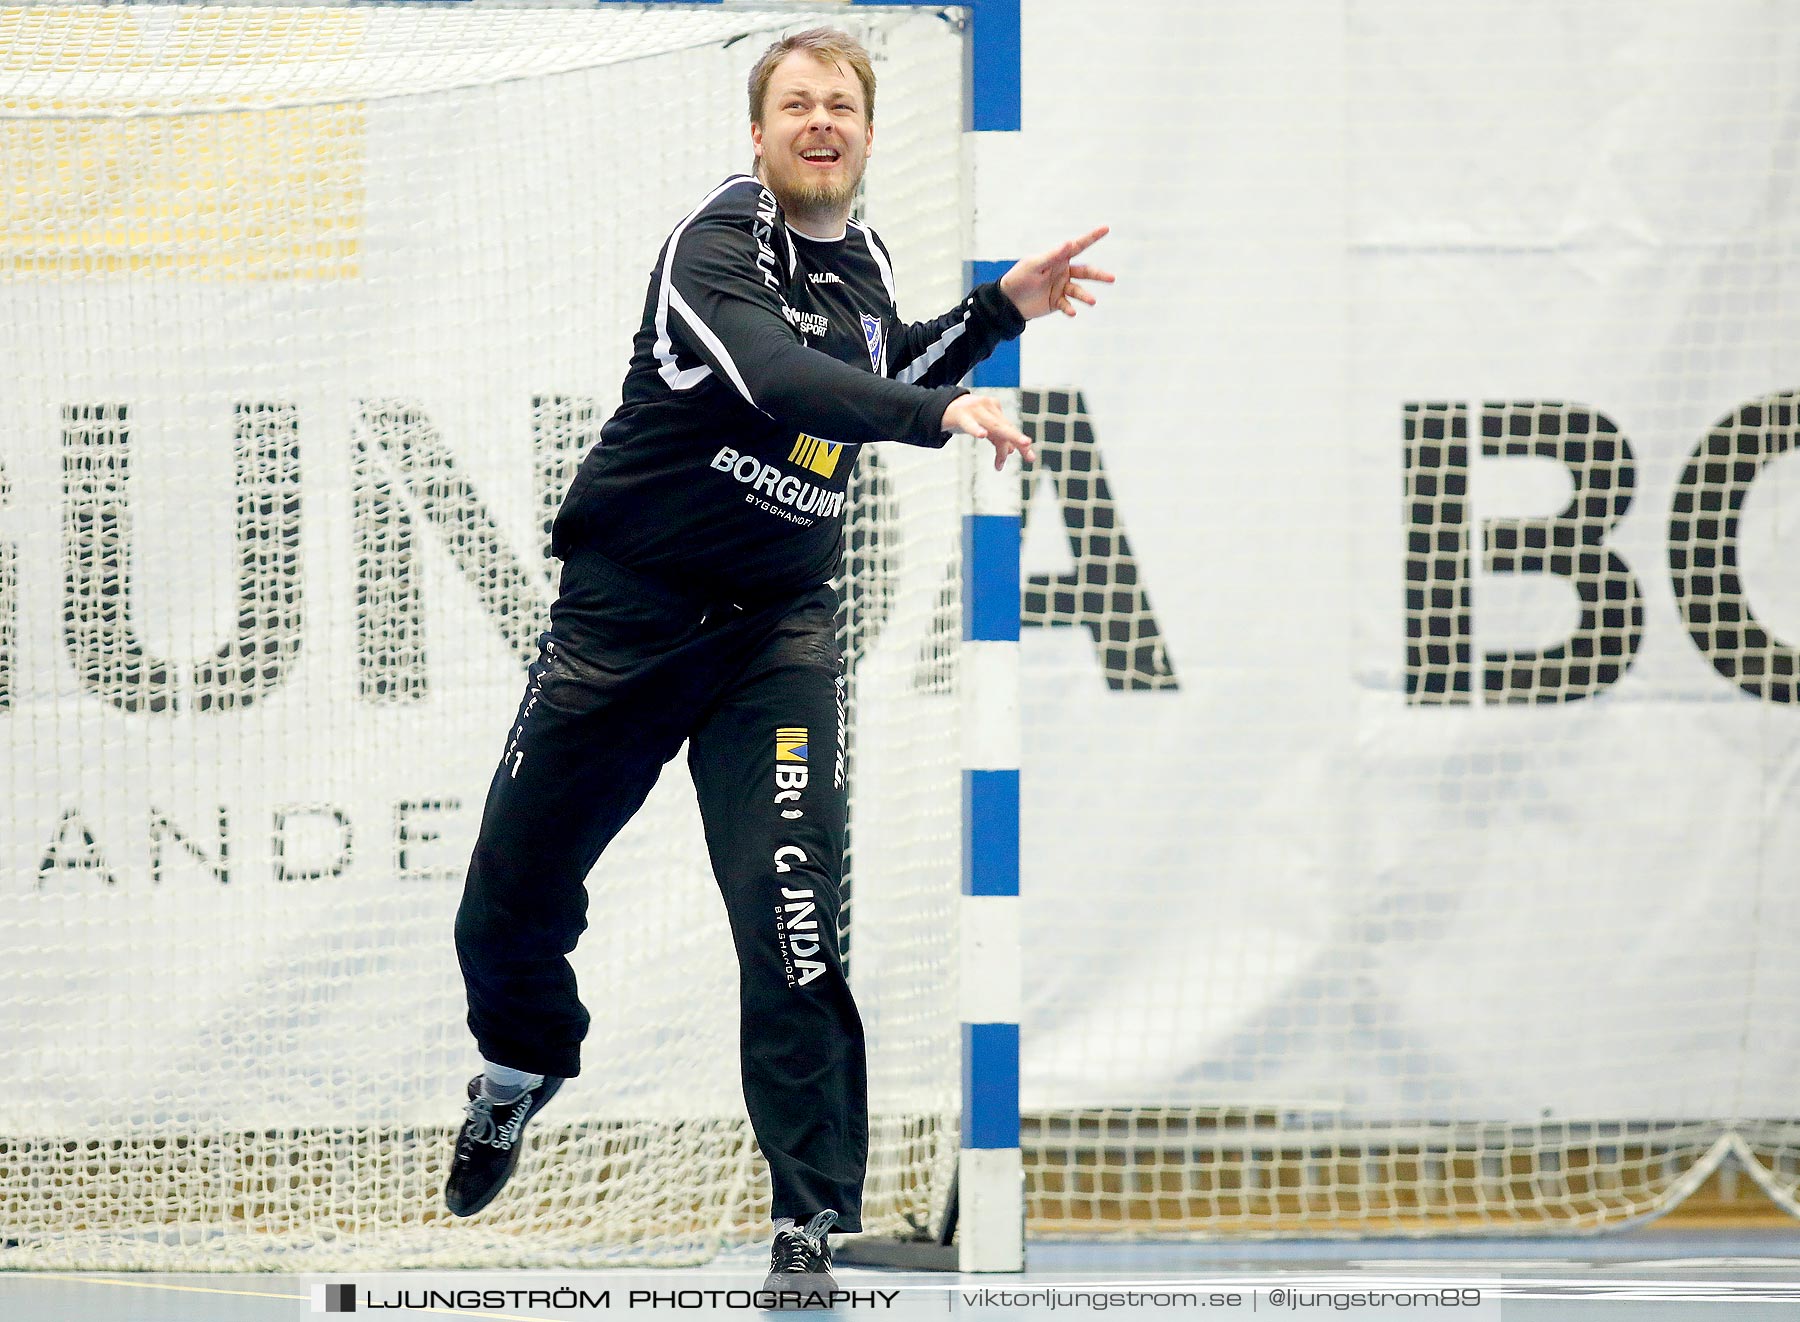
826,44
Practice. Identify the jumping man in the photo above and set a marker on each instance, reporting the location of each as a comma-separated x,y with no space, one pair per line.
698,542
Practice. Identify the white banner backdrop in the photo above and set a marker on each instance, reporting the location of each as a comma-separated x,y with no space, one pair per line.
1270,878
1266,879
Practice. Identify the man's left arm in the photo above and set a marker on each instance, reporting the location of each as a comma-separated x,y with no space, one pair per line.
943,350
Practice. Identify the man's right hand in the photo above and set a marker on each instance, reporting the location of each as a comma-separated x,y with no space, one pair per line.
981,416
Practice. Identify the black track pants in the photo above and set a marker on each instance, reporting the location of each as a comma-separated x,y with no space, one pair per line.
626,673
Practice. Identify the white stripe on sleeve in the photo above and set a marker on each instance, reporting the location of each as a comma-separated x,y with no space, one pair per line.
933,351
881,261
673,377
712,342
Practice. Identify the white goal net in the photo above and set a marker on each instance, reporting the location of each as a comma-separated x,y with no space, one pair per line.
308,315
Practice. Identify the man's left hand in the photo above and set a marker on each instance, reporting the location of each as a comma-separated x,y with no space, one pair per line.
1047,283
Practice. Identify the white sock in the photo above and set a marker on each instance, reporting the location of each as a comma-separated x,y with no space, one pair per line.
502,1084
785,1223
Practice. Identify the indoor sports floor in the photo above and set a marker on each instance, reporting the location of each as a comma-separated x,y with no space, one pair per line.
1655,1272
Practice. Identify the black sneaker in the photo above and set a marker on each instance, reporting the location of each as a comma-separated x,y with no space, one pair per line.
800,1267
488,1147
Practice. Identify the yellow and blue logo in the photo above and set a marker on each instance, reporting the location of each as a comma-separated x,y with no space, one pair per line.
790,744
812,453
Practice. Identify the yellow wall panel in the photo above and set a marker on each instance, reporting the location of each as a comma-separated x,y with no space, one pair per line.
133,176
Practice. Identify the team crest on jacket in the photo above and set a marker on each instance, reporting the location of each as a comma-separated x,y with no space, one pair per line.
872,336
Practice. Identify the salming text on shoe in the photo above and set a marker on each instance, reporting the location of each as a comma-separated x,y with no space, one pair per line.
488,1146
800,1267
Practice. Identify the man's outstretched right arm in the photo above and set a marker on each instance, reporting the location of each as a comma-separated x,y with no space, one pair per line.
720,298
